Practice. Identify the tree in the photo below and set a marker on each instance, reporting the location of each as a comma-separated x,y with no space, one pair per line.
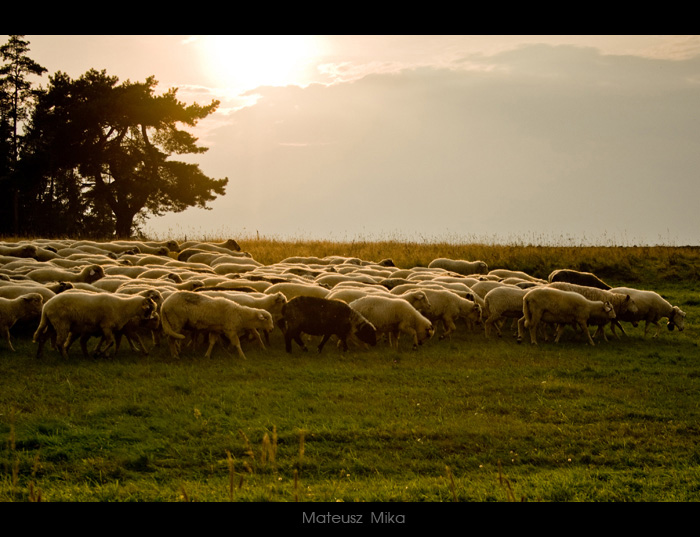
15,95
118,140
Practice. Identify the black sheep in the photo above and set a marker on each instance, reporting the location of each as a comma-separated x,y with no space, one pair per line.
579,278
324,317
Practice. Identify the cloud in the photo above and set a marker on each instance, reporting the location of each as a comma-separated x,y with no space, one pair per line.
539,139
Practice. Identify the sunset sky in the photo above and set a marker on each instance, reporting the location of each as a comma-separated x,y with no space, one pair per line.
550,139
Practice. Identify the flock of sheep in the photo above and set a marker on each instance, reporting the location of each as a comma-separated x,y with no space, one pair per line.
176,294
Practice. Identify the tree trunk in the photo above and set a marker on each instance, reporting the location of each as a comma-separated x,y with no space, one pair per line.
124,223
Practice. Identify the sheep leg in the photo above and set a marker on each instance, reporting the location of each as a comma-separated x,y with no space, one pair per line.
236,342
559,332
295,337
325,339
655,323
521,329
532,325
449,328
174,345
256,334
7,338
40,338
584,327
213,338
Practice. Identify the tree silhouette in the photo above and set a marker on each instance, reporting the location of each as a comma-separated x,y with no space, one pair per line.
16,95
111,145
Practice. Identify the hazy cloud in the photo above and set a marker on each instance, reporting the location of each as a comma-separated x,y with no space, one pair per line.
539,139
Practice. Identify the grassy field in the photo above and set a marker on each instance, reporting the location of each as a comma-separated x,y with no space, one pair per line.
467,419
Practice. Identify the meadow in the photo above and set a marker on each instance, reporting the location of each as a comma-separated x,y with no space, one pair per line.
459,420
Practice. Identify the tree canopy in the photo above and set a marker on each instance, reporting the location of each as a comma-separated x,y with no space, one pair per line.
97,156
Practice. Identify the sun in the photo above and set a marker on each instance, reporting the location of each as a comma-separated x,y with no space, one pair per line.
244,62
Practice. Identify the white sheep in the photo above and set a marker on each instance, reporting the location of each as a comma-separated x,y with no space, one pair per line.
460,266
484,286
545,304
394,316
18,250
447,307
273,303
651,308
70,315
24,287
348,294
294,289
623,303
88,274
23,308
504,302
213,316
506,273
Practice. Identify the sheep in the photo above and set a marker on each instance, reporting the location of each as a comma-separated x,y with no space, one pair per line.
24,308
546,304
272,303
332,280
505,273
21,250
623,303
89,274
72,314
394,316
460,266
448,307
29,286
213,316
229,244
483,287
579,278
325,317
651,308
348,294
293,289
502,302
132,329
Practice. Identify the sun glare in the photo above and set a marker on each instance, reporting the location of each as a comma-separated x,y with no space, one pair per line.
243,62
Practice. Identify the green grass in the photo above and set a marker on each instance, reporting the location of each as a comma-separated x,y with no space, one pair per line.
465,419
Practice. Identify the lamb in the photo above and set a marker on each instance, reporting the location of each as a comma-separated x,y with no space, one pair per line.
72,314
23,308
394,316
579,278
89,274
214,316
651,308
448,307
546,304
460,266
623,303
504,302
325,317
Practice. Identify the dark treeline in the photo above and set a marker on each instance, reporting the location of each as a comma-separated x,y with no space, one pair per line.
91,157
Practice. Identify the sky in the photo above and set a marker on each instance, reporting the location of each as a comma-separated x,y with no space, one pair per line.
541,139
